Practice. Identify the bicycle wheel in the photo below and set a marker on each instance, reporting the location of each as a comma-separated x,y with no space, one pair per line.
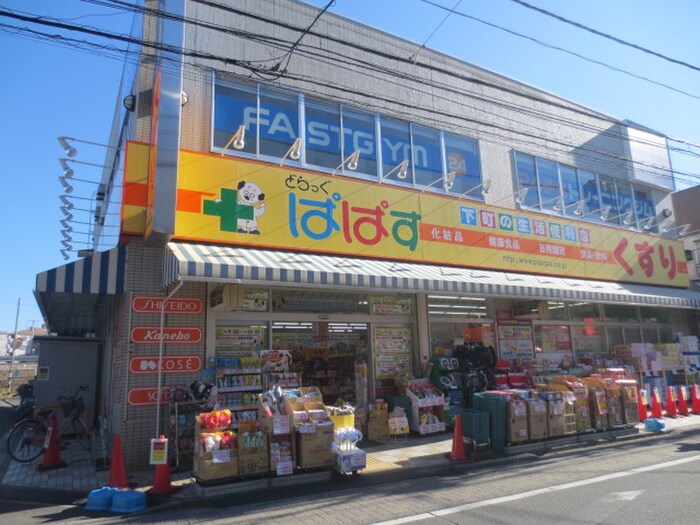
26,440
81,434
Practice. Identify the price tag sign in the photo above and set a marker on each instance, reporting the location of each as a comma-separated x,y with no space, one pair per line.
221,456
159,451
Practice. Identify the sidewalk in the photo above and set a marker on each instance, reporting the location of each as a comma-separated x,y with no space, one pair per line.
415,457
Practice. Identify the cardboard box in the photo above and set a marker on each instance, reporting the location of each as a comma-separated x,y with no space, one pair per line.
556,424
536,418
351,460
217,466
314,450
517,421
253,460
378,426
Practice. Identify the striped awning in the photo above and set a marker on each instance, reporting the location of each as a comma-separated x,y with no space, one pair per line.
101,273
193,262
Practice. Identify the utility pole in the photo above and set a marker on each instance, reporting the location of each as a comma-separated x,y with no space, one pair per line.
12,345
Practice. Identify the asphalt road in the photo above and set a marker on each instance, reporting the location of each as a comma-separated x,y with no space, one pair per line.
641,481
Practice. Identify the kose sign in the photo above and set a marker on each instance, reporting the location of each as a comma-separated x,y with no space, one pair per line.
169,335
153,305
171,364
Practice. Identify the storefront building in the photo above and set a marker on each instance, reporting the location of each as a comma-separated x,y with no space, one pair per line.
364,212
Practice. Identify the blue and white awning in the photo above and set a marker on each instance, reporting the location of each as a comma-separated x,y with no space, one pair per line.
193,262
101,273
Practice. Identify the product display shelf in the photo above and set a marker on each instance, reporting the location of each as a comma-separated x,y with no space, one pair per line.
238,382
427,407
182,424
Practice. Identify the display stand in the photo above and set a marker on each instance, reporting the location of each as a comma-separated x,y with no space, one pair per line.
427,406
445,375
182,433
276,370
238,382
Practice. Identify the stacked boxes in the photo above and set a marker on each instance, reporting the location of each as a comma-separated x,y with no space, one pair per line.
555,413
314,447
630,407
598,403
582,409
378,426
517,421
216,455
537,418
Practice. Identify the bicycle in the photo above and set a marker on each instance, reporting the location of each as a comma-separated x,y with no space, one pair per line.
27,439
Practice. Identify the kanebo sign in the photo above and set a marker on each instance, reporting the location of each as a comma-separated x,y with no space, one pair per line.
169,335
144,304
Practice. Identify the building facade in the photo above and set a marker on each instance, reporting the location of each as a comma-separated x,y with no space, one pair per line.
364,208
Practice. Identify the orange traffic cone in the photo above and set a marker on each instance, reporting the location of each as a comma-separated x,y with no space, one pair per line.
656,404
117,468
682,401
162,485
458,452
695,399
52,455
643,416
671,402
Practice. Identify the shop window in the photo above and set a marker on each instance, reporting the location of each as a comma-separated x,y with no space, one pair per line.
625,204
427,157
278,121
396,147
468,307
589,195
644,207
234,107
621,312
359,135
392,305
584,311
654,315
239,339
632,334
552,339
322,134
588,341
392,358
615,335
527,309
444,337
527,178
650,335
462,157
608,197
316,302
570,189
548,179
555,311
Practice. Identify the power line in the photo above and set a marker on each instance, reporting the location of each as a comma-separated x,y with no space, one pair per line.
567,51
278,43
606,35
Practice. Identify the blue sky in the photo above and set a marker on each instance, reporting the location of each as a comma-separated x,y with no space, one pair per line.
51,90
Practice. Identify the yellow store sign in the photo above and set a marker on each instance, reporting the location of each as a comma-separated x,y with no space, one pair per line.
241,202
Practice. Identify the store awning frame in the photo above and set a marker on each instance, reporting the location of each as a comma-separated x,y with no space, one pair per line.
230,264
70,296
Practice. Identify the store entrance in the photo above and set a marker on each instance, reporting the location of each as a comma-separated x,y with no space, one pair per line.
325,353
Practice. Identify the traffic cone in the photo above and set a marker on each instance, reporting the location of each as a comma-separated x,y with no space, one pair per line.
670,403
458,452
682,402
643,416
117,468
694,399
656,404
52,455
162,485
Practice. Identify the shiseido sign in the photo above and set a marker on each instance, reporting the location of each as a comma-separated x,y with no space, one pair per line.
169,335
174,305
